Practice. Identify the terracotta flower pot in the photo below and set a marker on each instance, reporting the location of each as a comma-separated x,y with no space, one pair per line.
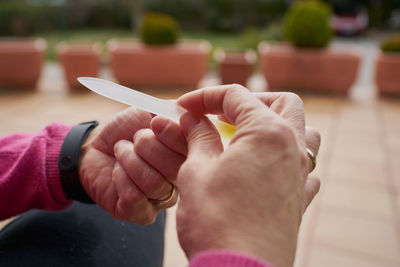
387,75
285,67
235,67
181,65
79,59
21,61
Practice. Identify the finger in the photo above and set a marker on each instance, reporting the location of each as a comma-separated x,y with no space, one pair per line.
311,189
170,134
170,203
313,139
239,107
123,126
146,178
287,105
148,147
132,204
202,136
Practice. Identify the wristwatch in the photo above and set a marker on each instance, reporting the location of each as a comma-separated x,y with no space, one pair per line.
68,161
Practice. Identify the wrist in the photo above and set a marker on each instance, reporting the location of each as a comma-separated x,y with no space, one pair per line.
225,258
269,245
69,160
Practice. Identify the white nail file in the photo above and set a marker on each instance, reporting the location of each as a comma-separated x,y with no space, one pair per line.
133,98
146,102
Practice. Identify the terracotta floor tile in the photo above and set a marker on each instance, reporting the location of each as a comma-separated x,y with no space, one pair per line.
358,198
393,143
362,151
320,103
358,169
374,237
305,240
392,132
366,122
397,215
173,254
393,164
390,109
360,133
329,257
322,123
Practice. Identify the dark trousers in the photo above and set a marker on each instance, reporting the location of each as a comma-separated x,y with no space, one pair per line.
82,235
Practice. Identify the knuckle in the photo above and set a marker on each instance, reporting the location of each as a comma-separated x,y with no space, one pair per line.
143,139
153,185
294,98
281,133
122,152
131,196
165,189
160,189
115,175
147,219
239,87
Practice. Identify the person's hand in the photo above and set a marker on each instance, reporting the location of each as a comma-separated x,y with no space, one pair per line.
125,166
251,196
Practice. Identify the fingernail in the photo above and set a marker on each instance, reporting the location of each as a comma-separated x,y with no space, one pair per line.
188,122
158,124
120,144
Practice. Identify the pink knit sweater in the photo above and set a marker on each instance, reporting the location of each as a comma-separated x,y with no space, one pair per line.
29,178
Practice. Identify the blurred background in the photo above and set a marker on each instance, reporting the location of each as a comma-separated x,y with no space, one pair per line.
219,21
342,57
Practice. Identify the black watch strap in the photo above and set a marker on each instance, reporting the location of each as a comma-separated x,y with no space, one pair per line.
68,161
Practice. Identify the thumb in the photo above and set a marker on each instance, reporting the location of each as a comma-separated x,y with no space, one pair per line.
202,137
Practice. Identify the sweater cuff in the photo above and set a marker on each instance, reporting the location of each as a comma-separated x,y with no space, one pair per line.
52,170
226,258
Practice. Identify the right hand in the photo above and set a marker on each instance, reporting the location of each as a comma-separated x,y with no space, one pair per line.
251,196
124,165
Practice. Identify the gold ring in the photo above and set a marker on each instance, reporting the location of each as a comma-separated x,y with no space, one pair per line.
163,202
312,158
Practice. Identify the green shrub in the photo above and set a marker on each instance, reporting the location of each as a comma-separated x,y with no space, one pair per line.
250,38
391,44
159,29
273,32
307,24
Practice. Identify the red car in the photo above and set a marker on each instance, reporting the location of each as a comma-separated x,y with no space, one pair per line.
350,20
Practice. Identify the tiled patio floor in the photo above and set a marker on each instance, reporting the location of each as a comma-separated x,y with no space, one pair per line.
354,221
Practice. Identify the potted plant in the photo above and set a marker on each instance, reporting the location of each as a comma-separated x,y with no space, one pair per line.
21,61
236,65
159,60
79,59
306,62
388,66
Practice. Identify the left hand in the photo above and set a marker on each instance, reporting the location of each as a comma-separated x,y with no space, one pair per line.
125,164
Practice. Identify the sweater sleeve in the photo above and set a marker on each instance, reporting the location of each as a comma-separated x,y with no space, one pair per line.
29,174
226,258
